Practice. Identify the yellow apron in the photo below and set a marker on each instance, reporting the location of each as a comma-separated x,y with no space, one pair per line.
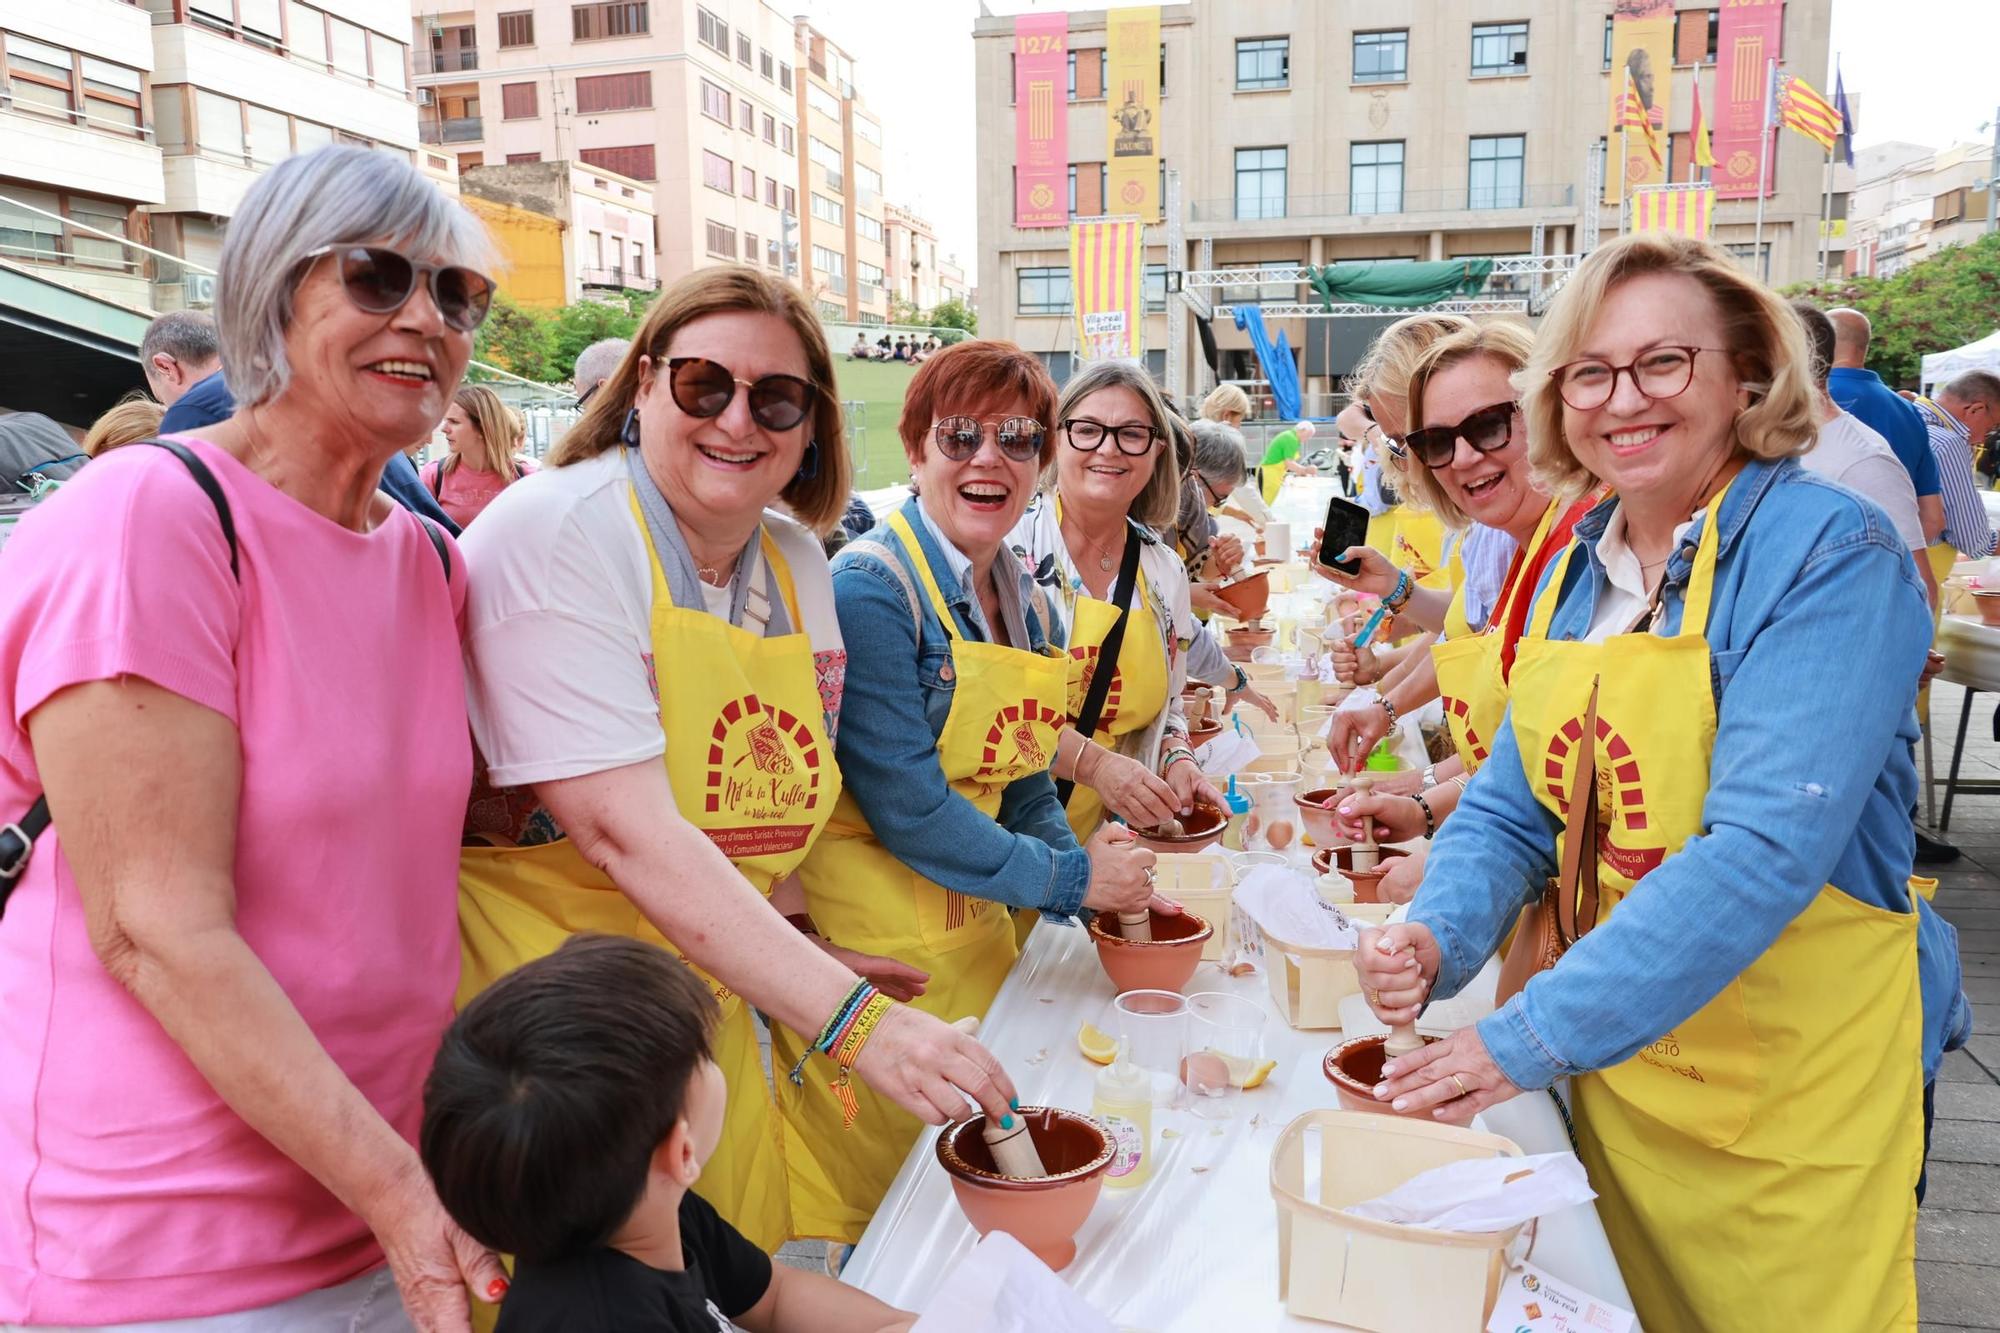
1416,541
1756,1166
1006,710
1472,686
1138,684
752,767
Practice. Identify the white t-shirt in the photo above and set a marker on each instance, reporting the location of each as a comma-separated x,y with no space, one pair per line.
1853,453
559,640
1627,591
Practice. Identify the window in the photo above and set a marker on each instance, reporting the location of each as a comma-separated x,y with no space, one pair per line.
1041,291
38,75
1260,182
1086,74
764,65
867,179
822,101
105,216
784,76
270,137
349,46
517,29
1382,57
771,191
790,202
717,171
1087,183
711,31
870,228
770,128
307,136
1253,293
220,123
1607,41
1499,48
1752,258
30,234
635,160
787,142
1264,62
743,49
1495,171
308,33
831,262
714,102
1156,287
524,157
746,118
867,129
721,241
609,18
388,61
517,101
824,153
1695,32
111,95
748,186
869,273
1375,177
615,92
771,257
826,210
638,259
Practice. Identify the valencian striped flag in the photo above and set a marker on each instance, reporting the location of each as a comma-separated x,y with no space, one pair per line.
1107,261
1632,116
1698,133
1802,109
1682,209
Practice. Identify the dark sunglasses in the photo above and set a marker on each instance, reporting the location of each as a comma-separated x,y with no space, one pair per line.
704,388
1487,430
381,281
1019,438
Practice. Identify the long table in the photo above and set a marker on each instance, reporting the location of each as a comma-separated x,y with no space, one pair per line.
1195,1247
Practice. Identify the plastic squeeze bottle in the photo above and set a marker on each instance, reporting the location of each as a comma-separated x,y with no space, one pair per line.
1123,1101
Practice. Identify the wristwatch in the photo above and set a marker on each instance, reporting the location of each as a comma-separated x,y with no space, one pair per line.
1242,678
1430,776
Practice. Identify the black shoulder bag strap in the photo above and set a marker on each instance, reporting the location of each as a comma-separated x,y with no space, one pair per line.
1107,656
17,840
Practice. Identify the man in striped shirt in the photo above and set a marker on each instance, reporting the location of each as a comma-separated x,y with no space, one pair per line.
1965,409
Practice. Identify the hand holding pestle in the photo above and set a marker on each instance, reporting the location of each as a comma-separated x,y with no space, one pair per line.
1402,1038
1365,855
1012,1148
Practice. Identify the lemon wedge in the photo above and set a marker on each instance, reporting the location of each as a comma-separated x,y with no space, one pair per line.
1243,1072
1097,1046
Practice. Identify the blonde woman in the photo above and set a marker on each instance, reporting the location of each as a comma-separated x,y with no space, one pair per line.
135,418
485,438
1738,643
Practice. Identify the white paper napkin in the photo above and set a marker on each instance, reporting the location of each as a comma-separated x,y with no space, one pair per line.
1487,1194
1286,905
1001,1288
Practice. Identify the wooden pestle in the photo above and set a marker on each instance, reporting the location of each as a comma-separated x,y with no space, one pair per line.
1402,1039
1366,854
1013,1151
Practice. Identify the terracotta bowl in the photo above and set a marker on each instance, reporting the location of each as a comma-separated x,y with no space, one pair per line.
1042,1214
1250,597
1317,818
1988,604
1251,636
1164,962
1355,1067
1200,830
1201,733
1199,705
1367,883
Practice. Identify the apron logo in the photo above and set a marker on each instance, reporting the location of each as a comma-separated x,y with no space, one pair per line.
1016,726
1621,799
764,769
1079,684
1475,744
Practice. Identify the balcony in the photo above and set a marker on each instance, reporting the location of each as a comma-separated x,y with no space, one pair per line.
445,62
1393,203
837,283
458,129
77,152
616,279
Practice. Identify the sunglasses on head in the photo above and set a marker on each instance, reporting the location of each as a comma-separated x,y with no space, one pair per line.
704,388
1487,430
959,438
381,281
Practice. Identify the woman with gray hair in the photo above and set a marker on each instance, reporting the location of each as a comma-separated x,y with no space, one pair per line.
1090,537
233,669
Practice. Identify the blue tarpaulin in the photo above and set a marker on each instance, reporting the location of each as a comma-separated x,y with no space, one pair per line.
1276,360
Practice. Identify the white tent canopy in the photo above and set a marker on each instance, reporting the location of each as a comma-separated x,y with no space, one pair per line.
1981,355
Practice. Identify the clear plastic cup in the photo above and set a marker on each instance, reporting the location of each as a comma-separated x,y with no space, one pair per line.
1223,1030
1152,1026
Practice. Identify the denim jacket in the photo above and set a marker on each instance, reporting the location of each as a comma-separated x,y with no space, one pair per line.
900,684
1817,632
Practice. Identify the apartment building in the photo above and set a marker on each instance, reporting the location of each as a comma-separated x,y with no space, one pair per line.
1373,130
952,285
565,229
1909,202
843,252
149,121
913,258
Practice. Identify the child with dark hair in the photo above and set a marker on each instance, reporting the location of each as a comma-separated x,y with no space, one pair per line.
566,1122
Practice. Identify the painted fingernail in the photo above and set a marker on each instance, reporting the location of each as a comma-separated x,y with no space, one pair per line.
1014,1102
1388,1071
496,1289
1400,1103
1381,1091
1006,1122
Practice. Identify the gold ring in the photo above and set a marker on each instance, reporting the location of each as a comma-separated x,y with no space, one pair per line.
1461,1086
1375,998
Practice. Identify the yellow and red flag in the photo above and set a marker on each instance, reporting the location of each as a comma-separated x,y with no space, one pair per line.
1698,132
1682,209
1632,115
1802,109
1107,261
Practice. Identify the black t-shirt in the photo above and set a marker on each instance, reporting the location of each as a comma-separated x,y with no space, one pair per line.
608,1291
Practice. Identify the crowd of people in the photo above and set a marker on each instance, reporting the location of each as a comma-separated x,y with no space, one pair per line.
914,351
419,884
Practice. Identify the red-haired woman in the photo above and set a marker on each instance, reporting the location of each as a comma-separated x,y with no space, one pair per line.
955,698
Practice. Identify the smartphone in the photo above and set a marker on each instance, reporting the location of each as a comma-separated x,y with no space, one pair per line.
1346,525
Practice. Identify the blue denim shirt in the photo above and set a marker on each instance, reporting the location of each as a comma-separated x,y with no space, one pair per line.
900,686
1817,632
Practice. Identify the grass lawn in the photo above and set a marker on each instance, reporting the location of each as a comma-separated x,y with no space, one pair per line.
879,386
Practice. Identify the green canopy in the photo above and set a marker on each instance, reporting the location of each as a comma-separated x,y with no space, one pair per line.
1400,285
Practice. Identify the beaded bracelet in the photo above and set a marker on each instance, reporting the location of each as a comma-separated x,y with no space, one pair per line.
844,1014
1401,592
847,1048
1430,820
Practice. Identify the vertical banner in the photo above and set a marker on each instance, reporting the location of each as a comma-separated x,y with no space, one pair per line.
1748,33
1132,95
1107,270
1041,120
1642,48
1683,209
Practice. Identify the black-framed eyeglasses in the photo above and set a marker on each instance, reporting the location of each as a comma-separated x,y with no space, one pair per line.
1133,438
381,281
1209,486
704,388
1658,374
1019,438
1487,430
